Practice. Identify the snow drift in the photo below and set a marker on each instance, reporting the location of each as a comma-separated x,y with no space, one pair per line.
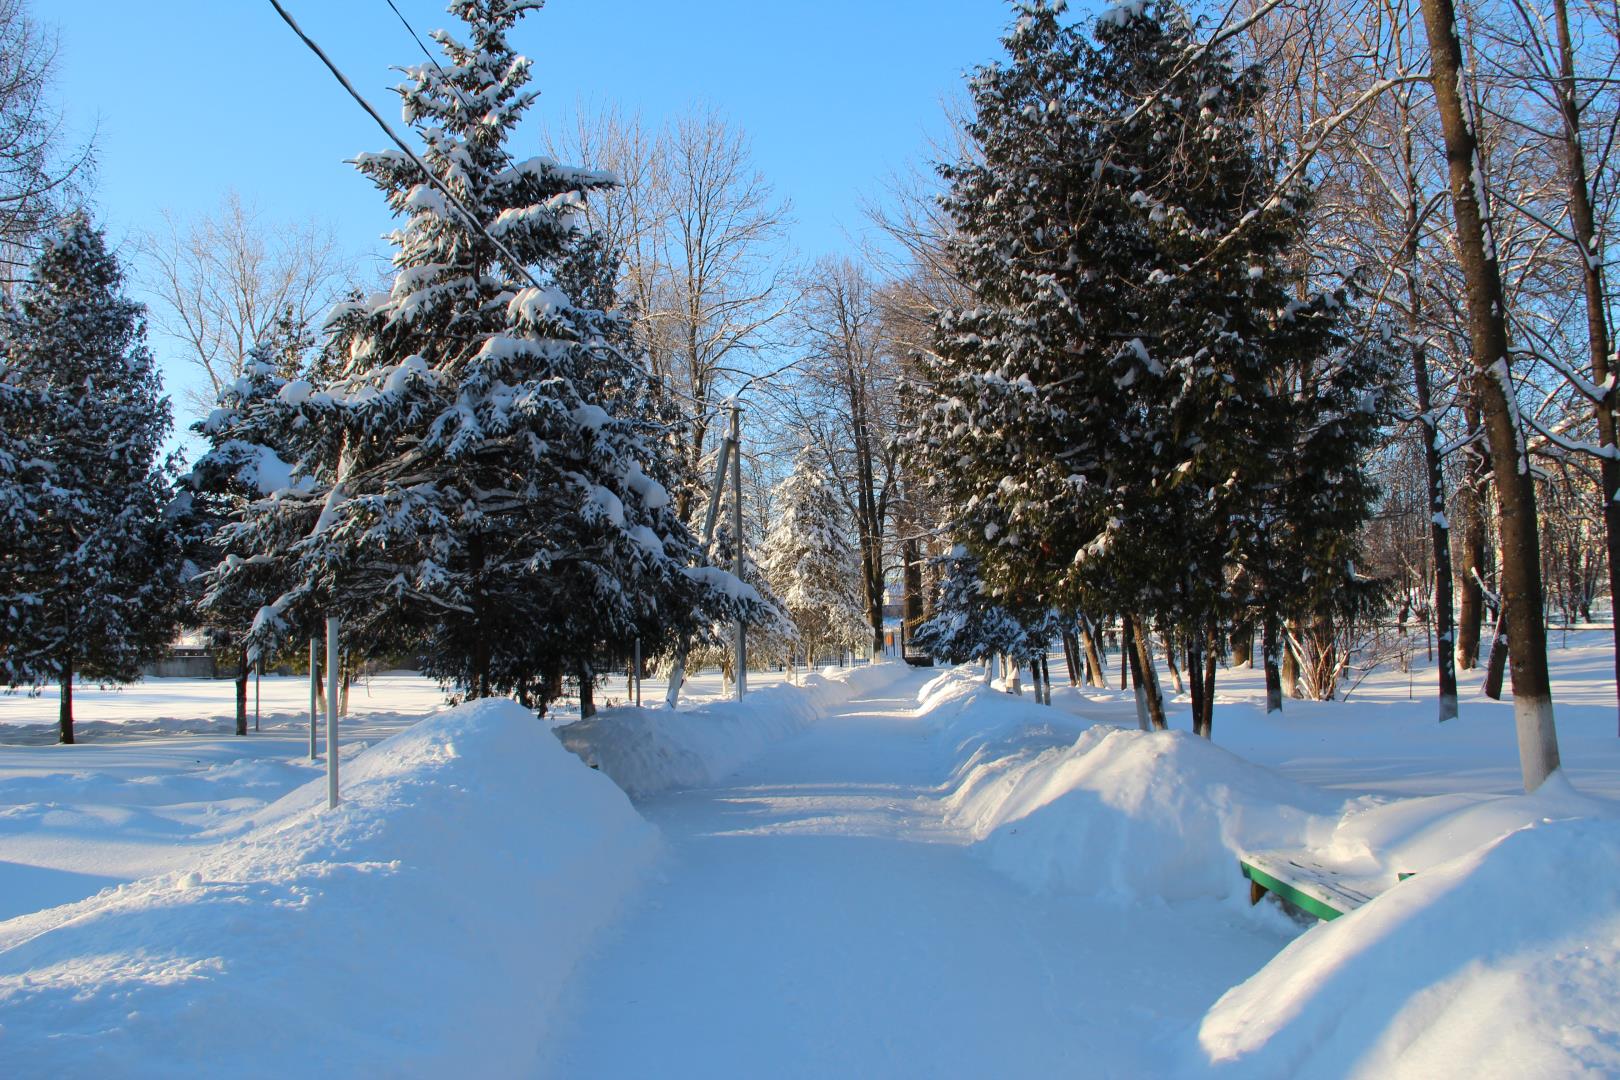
423,928
647,751
1501,962
1118,813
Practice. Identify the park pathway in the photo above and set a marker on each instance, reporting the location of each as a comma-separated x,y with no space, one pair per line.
817,917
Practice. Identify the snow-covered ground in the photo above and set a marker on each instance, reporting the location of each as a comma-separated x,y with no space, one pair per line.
470,852
157,777
889,872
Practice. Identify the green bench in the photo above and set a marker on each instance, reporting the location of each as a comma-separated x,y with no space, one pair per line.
1299,880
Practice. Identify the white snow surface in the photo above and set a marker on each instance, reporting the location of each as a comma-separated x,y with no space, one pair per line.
1119,814
647,751
1501,962
424,928
885,873
1499,957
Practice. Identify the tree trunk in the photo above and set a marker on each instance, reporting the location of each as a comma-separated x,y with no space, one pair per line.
343,687
481,658
1243,645
1470,563
241,690
1271,647
1195,667
1069,658
1583,221
1205,723
1290,664
1127,646
1129,659
1497,663
1170,663
587,693
1149,676
1429,433
869,514
1099,675
64,705
1515,489
912,576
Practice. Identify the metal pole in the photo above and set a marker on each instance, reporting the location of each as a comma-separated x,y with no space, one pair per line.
331,711
677,674
314,690
737,532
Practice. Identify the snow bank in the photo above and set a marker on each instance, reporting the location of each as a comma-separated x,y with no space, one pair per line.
647,751
1501,962
1117,813
423,928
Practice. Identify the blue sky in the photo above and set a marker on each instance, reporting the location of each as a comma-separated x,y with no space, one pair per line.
190,98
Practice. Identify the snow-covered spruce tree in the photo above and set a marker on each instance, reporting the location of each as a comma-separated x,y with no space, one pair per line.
1109,406
252,442
93,586
969,624
23,486
811,563
482,476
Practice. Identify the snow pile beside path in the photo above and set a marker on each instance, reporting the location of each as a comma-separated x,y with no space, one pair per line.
1502,962
423,928
1117,813
647,751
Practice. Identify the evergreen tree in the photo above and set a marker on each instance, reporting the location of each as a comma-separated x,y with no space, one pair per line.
811,564
22,489
92,585
246,470
481,469
968,623
1112,406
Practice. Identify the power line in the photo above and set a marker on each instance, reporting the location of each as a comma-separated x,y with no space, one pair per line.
454,89
713,408
444,189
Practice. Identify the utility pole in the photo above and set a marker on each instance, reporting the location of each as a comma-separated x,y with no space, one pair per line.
314,689
677,675
331,712
737,532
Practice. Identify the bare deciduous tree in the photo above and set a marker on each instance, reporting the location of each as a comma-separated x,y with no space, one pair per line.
699,232
225,278
38,177
844,400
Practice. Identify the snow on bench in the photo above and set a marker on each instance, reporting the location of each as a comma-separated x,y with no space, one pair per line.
1308,884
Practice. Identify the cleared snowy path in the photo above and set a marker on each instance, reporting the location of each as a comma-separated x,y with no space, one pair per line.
818,918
